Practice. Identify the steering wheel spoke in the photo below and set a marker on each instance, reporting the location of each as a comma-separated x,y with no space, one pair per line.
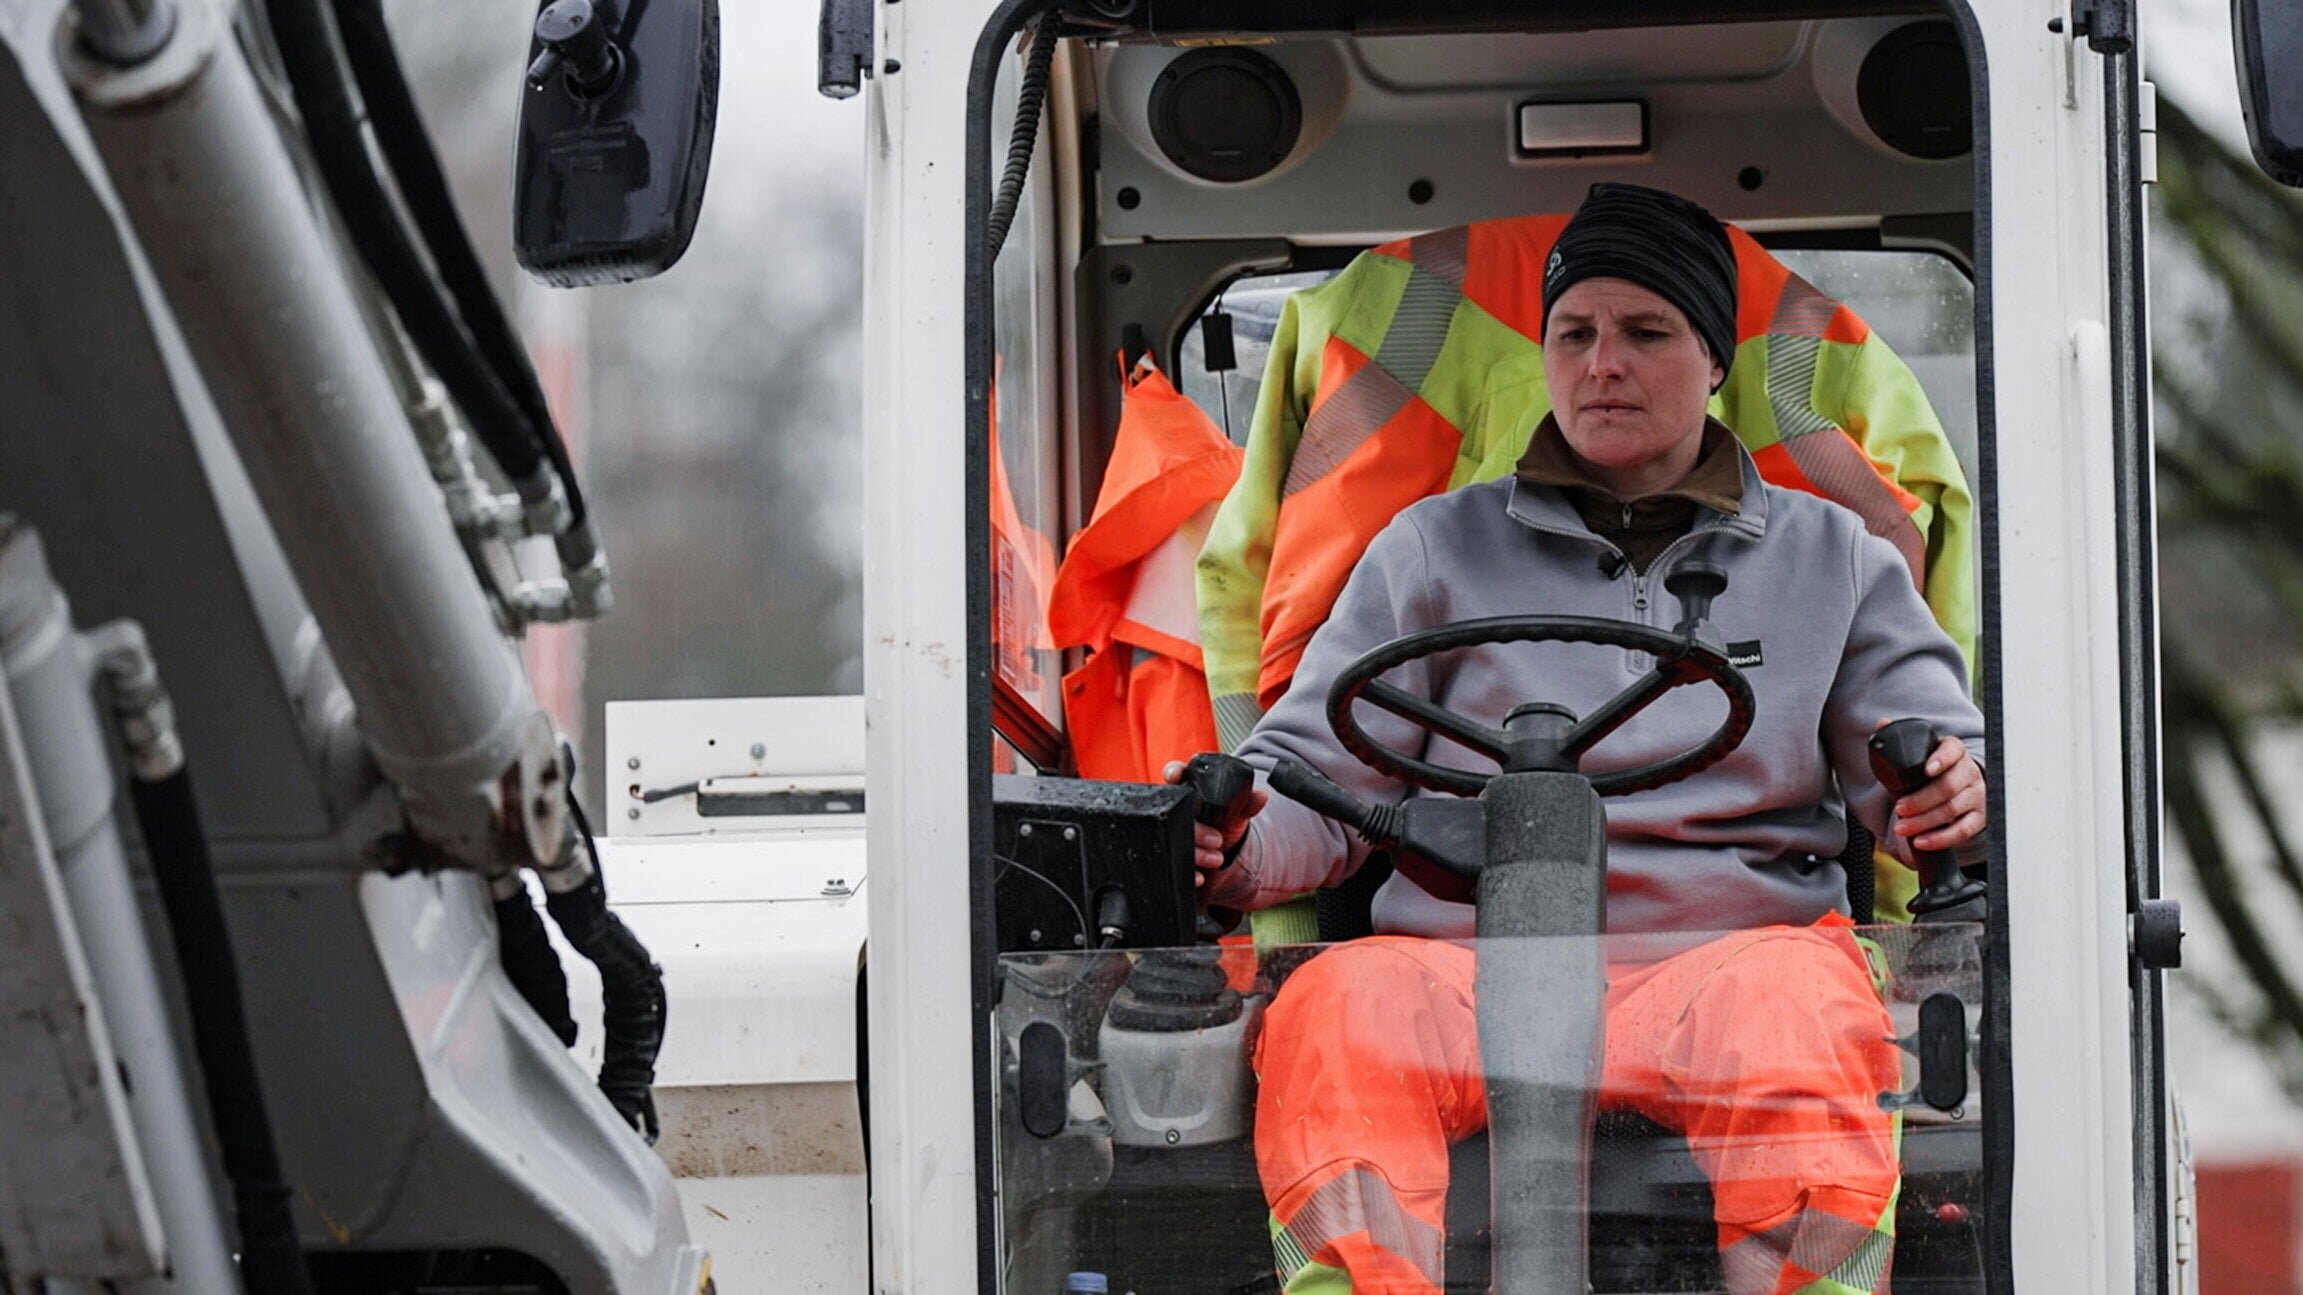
1616,711
1435,719
1679,661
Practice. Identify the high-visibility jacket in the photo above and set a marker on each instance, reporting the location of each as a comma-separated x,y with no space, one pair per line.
1125,589
1419,369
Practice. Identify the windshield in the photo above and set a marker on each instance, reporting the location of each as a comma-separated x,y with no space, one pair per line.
1713,1112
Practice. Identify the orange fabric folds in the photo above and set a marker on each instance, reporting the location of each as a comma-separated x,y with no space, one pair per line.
1767,1049
1125,591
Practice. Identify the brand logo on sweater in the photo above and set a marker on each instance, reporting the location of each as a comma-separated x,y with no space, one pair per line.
1745,655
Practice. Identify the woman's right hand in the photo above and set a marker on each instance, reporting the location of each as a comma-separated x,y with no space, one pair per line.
1213,851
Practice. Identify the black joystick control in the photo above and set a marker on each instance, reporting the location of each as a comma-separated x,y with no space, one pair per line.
1899,754
574,35
1223,783
1695,584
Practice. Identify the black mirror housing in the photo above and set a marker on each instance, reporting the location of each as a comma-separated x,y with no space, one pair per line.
615,139
2268,35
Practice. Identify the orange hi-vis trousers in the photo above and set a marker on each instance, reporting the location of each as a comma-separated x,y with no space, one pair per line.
1767,1049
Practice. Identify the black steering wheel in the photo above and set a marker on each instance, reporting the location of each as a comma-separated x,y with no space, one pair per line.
1543,736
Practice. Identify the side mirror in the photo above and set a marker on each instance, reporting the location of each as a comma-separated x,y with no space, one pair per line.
615,138
2269,39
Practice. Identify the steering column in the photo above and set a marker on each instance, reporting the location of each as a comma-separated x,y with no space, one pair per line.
1531,853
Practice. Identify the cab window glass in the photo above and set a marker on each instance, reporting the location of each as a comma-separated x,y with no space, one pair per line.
1924,307
1253,305
1026,481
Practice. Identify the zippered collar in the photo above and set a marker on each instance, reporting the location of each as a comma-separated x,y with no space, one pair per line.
1547,508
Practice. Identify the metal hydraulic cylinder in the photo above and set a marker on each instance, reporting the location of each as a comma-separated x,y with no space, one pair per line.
50,674
1541,988
262,295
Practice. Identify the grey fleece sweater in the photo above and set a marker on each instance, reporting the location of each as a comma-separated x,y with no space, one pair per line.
1822,616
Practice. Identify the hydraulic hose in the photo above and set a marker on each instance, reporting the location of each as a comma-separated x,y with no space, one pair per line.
423,186
631,988
521,446
532,964
271,1259
1025,138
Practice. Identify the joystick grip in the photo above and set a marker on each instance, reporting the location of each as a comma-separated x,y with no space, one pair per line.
1899,754
1695,583
1223,783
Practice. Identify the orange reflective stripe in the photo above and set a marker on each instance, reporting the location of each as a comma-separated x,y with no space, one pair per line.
1505,274
1359,1202
1324,527
1767,302
1830,465
1346,415
1817,1247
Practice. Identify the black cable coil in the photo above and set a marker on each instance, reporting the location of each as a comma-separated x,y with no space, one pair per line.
533,965
1025,137
632,1005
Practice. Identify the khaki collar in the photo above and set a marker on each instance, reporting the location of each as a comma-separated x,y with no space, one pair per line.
1716,482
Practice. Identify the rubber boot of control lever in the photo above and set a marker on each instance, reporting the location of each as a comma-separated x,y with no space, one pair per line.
1378,825
1899,754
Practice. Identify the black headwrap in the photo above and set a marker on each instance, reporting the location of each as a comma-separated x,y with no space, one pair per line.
1660,241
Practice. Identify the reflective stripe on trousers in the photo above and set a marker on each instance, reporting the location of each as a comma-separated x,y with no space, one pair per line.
1767,1049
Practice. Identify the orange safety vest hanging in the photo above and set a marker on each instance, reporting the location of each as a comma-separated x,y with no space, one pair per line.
1126,591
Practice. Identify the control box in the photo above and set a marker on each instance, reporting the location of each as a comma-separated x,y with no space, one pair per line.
1080,863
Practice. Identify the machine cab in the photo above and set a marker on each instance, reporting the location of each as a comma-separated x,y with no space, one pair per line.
1223,219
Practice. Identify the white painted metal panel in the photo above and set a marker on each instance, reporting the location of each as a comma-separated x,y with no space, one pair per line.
665,758
75,1200
2058,752
795,1234
760,950
916,651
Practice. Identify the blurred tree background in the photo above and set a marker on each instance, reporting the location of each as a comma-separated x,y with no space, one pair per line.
2228,272
716,408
